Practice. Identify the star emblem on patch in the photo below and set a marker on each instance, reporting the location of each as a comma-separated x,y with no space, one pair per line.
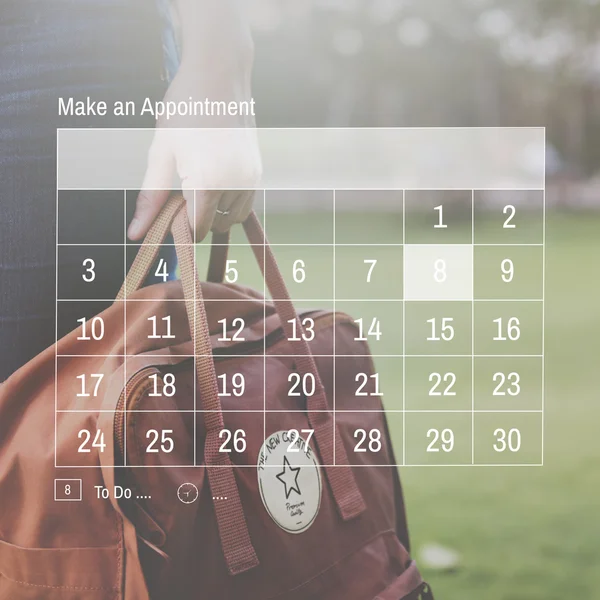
289,478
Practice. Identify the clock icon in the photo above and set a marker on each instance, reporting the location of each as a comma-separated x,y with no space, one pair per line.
187,493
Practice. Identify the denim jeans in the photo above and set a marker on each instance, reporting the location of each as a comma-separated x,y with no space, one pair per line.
106,49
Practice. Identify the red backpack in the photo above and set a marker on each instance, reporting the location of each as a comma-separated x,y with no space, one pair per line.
258,495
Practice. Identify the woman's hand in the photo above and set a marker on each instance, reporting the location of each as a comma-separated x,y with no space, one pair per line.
218,165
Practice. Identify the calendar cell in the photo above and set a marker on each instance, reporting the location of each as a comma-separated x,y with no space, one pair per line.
307,271
509,217
438,328
241,383
131,199
90,272
152,328
438,217
438,438
438,383
92,328
359,387
160,388
78,388
369,272
81,439
289,436
241,266
163,269
102,211
164,439
313,324
509,272
438,272
387,226
377,323
366,444
508,383
237,234
508,438
508,328
291,392
311,212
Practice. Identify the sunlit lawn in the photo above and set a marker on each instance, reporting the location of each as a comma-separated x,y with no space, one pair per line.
526,533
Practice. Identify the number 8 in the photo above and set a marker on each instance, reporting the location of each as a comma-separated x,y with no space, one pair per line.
440,274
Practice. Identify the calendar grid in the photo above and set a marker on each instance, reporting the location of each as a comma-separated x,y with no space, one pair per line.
543,427
264,207
334,336
404,461
409,349
473,329
125,295
195,378
56,334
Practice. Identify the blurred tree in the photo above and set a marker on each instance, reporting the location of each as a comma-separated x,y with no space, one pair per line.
435,63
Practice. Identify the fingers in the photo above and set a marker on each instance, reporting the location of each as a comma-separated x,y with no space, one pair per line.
202,210
154,194
147,207
236,206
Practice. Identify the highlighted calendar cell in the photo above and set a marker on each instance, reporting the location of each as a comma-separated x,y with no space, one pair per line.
438,272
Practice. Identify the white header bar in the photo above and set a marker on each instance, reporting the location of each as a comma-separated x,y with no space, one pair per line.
344,158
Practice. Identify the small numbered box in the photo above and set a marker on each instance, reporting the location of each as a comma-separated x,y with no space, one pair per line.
438,328
90,272
369,272
438,383
83,436
68,490
80,387
438,217
508,383
162,270
379,324
438,438
364,434
511,217
359,387
311,325
509,273
438,272
509,328
508,438
241,264
307,271
97,326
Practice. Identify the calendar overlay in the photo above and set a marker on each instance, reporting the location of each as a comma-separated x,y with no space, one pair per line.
432,241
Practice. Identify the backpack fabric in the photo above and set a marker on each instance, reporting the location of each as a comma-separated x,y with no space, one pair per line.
249,496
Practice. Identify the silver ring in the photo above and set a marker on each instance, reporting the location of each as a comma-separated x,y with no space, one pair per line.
223,213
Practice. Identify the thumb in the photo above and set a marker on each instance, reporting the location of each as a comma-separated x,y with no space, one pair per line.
155,191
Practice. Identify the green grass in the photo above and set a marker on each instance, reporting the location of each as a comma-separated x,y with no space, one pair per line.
523,533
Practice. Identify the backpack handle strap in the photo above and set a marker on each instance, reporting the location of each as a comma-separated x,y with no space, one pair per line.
348,498
233,529
235,539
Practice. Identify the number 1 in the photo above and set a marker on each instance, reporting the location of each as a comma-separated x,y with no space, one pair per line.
440,224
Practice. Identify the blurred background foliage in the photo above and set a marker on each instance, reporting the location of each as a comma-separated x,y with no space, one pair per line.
436,63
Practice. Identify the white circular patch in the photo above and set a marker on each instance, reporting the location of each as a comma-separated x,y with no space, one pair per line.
289,480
